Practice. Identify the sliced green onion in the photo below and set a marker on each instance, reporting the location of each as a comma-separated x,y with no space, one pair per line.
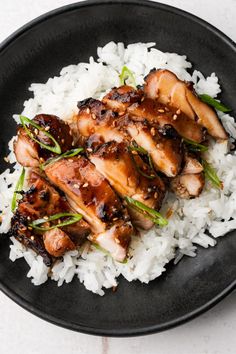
139,169
127,74
212,102
138,149
147,212
143,152
193,146
56,148
69,153
73,218
108,253
211,175
18,188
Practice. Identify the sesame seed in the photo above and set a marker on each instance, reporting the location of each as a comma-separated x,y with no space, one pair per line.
6,159
30,228
161,110
114,219
166,109
142,99
76,185
36,131
41,159
117,240
175,116
90,150
28,218
70,160
59,221
93,116
62,141
73,143
155,195
45,217
149,189
153,131
70,132
47,129
32,238
134,152
85,185
178,111
87,110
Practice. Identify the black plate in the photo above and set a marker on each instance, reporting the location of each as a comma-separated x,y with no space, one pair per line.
70,35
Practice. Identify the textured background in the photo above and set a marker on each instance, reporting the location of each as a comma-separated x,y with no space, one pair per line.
212,333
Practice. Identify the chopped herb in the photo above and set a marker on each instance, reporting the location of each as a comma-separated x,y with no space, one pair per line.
138,149
71,220
125,75
66,154
147,212
108,253
56,148
211,175
142,151
214,103
193,146
18,188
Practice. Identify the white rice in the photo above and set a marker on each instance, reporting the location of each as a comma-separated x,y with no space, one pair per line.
192,220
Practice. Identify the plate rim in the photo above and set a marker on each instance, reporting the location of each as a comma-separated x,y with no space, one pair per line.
124,332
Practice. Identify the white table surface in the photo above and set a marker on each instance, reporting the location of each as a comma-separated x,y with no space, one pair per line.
211,333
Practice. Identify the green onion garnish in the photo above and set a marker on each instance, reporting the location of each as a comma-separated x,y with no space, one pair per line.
147,212
212,102
193,146
138,149
211,175
56,148
127,74
73,218
139,169
108,253
66,154
142,151
18,188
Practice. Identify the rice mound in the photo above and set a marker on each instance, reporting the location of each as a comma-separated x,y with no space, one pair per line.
214,211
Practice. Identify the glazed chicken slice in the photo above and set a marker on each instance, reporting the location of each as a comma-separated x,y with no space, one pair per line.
119,99
161,115
191,165
89,194
42,201
29,153
94,119
190,183
121,168
164,86
164,149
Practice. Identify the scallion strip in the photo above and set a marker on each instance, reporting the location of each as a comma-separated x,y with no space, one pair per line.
69,153
108,253
212,102
56,148
126,73
18,188
211,175
147,212
193,146
139,169
73,218
142,151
